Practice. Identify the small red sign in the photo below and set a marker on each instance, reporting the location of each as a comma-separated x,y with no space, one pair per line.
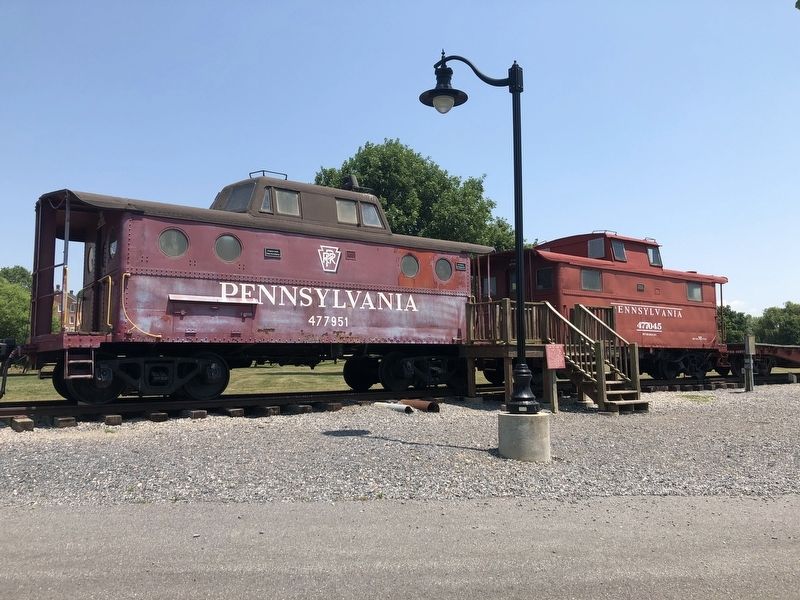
554,353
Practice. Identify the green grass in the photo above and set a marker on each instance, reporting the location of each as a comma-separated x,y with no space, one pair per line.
324,377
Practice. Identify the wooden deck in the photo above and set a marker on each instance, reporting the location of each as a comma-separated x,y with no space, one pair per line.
595,356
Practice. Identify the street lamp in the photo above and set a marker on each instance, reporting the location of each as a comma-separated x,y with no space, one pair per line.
444,97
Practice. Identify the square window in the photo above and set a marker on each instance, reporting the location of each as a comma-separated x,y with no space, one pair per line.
694,291
597,248
370,216
544,279
654,256
618,250
239,198
489,287
287,202
266,203
592,280
346,212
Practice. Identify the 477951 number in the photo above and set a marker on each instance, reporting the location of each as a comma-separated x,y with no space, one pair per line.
328,321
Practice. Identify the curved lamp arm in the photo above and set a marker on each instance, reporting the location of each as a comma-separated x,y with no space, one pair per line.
513,81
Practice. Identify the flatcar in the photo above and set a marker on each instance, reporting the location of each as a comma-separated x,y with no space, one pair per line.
173,297
671,315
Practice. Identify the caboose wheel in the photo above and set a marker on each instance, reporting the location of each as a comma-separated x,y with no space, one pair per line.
457,378
93,390
395,373
360,372
494,376
211,380
59,384
668,369
695,366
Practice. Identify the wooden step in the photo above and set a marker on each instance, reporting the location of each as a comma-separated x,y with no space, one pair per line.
622,393
627,406
622,402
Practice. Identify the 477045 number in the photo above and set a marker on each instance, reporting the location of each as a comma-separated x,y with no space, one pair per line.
328,321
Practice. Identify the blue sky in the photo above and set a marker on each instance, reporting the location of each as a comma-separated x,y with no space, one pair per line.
674,120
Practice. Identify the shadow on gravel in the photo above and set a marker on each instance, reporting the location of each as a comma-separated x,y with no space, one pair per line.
366,433
346,432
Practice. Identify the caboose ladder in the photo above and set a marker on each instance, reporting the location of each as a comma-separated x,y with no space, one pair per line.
78,363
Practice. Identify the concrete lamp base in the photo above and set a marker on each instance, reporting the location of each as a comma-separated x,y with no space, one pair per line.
524,437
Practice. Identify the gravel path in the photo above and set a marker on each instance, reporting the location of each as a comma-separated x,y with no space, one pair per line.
722,442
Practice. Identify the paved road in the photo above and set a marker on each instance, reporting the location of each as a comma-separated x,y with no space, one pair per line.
607,548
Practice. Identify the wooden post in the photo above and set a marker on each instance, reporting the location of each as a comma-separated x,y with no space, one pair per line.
551,389
471,388
508,373
508,329
600,375
634,375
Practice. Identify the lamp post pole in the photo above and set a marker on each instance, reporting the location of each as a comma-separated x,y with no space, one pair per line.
444,97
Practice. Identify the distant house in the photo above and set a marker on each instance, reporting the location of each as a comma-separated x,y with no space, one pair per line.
72,308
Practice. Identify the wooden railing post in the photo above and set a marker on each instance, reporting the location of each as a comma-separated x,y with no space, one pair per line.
507,331
600,375
634,349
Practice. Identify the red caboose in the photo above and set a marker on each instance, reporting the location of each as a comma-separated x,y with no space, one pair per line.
671,315
279,271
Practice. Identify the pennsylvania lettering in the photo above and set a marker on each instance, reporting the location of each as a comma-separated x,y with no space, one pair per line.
648,311
292,295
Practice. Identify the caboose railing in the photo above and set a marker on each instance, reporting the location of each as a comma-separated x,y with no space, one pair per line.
619,354
494,322
594,352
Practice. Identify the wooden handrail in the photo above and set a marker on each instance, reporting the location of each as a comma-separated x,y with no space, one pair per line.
618,353
591,346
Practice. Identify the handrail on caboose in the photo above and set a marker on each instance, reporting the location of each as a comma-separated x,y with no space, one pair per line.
494,323
620,354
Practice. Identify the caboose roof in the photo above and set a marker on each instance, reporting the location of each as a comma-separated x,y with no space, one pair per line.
83,201
607,265
572,239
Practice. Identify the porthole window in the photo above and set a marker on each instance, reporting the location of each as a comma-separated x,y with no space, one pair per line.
173,242
228,248
444,270
409,266
90,258
112,244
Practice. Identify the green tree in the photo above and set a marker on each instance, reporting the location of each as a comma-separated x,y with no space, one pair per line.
14,309
18,275
420,198
779,325
734,324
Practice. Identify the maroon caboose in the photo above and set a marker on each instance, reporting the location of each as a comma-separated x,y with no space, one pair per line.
173,297
671,315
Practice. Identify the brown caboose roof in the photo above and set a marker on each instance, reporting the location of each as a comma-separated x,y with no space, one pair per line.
80,199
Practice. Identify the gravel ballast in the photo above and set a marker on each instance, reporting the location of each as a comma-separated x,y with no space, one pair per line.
721,442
